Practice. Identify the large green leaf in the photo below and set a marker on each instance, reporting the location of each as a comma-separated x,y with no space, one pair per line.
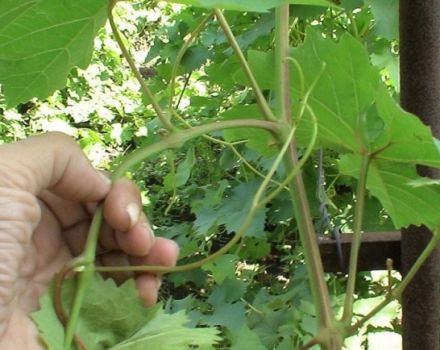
392,184
357,115
355,112
405,139
242,5
103,322
250,5
344,93
41,41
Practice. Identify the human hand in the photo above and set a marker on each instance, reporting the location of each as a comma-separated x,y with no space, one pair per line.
48,192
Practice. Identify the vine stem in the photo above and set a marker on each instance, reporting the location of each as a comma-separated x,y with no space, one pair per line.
298,194
267,112
356,243
301,162
256,205
57,296
176,140
231,146
84,278
165,120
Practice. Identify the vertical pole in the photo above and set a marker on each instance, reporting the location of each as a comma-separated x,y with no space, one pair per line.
420,94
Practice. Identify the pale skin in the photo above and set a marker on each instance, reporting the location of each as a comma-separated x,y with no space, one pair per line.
48,192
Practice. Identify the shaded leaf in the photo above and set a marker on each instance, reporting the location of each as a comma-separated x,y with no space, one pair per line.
386,15
247,340
234,209
222,268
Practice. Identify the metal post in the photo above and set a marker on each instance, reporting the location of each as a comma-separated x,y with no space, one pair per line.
420,94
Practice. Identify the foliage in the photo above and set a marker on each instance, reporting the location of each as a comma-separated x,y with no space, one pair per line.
258,294
105,325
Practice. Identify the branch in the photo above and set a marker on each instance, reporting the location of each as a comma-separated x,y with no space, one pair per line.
84,279
267,112
298,193
165,120
356,243
176,140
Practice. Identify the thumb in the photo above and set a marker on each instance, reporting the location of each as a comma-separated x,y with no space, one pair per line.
51,161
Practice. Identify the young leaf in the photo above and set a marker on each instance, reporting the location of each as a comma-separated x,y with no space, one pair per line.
167,332
42,41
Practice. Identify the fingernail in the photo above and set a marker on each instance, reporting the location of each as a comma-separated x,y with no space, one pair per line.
105,178
158,282
133,210
150,232
177,248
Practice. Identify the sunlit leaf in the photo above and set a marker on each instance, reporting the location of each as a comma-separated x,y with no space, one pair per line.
41,41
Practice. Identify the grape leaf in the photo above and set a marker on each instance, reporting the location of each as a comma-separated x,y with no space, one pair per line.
230,291
205,208
386,15
104,324
166,332
384,318
390,183
229,311
247,340
102,320
231,316
51,331
259,61
231,212
222,267
345,91
242,5
234,209
258,140
41,41
180,176
349,94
